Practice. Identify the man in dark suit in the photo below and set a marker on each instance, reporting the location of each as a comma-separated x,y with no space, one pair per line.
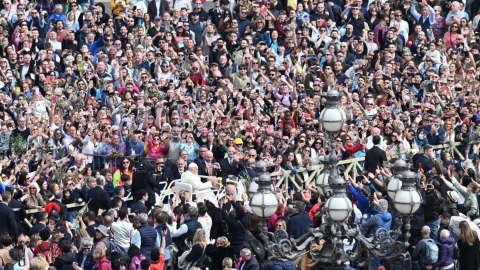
98,198
18,209
139,206
426,160
42,223
157,8
58,201
207,166
179,168
232,165
375,156
164,174
143,179
201,153
249,262
8,224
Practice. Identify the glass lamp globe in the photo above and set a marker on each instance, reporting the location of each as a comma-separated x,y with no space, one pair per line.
407,201
332,119
263,204
253,187
338,208
393,186
322,184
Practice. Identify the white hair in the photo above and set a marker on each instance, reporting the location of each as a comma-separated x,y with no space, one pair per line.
192,166
444,234
382,205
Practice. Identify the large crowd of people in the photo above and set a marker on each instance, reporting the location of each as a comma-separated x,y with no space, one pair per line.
106,106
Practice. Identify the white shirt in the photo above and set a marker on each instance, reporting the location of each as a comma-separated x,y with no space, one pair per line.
122,233
206,222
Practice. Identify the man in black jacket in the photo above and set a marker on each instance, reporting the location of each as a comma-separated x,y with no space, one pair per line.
375,156
425,161
249,262
8,223
58,200
42,223
143,179
432,210
98,198
232,165
139,206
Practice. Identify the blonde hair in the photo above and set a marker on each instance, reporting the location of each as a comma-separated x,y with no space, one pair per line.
39,262
284,224
200,238
35,185
222,240
227,263
98,254
34,240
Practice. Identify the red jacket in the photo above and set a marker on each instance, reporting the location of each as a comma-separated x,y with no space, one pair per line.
282,123
54,252
353,149
102,264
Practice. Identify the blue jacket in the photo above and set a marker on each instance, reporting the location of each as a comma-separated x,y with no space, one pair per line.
89,261
94,47
380,220
168,239
237,235
362,199
55,18
149,236
298,225
446,252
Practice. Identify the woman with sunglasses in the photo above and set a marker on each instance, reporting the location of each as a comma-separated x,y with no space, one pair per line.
126,168
453,36
156,145
227,24
34,201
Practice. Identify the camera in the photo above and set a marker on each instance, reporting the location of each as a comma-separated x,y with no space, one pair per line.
158,54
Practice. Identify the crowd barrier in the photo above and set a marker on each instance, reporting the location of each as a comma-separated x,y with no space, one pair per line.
308,175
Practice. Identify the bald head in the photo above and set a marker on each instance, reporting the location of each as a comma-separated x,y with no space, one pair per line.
208,156
425,231
375,132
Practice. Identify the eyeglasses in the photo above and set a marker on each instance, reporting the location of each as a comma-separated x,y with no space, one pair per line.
278,225
369,104
301,141
32,188
157,139
242,68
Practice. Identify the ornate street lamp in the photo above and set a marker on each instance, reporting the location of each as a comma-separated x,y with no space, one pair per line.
338,207
263,202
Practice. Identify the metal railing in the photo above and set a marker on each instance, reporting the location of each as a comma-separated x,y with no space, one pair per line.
352,166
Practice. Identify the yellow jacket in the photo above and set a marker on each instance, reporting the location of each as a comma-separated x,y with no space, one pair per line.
116,9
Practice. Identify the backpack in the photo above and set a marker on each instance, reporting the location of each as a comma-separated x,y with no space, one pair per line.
204,261
431,252
135,262
257,247
42,248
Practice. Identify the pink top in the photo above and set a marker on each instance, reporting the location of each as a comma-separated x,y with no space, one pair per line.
158,151
274,218
122,89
